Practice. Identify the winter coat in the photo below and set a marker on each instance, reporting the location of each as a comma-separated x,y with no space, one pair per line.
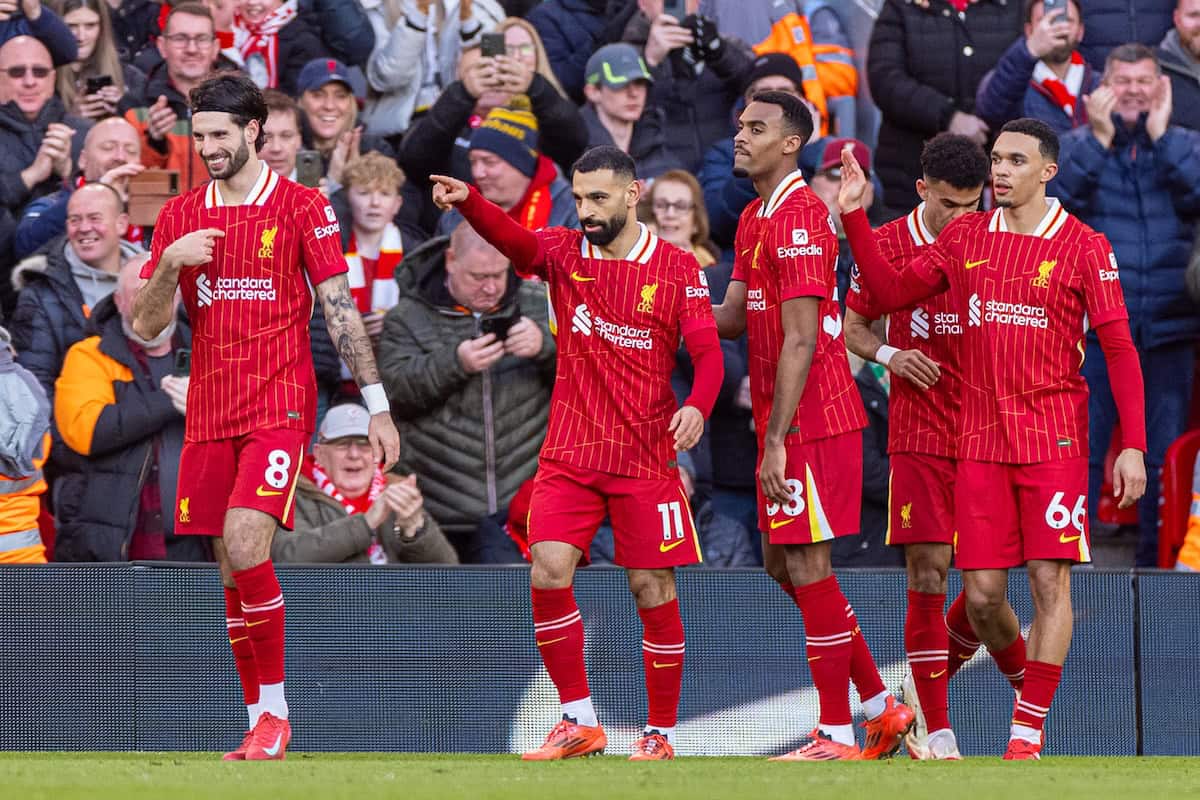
647,146
1108,23
20,139
923,65
1008,92
51,315
571,31
325,533
439,141
135,27
396,68
694,105
299,43
176,151
1184,72
472,440
1145,197
344,27
562,201
49,29
112,413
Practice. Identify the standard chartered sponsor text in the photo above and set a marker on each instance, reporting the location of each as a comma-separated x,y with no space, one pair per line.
623,335
244,289
1016,314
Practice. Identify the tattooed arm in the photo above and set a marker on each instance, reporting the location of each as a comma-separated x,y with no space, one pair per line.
154,303
354,347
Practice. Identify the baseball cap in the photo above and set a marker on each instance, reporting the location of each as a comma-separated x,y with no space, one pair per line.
343,421
320,71
774,64
615,65
831,157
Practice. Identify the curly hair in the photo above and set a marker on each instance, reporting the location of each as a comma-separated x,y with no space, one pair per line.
956,160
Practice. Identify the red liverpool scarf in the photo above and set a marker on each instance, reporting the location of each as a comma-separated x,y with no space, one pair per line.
357,505
534,213
377,291
1064,93
261,42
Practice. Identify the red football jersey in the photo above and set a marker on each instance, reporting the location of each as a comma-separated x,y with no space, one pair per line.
1028,301
617,324
919,421
787,248
250,305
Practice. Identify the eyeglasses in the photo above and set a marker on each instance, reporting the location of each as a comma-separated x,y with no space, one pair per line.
346,445
520,49
682,207
16,73
183,40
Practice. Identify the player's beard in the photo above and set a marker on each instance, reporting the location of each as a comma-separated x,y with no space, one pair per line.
610,229
233,163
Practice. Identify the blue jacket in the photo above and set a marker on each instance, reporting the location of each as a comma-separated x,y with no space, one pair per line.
1108,23
1008,92
571,30
49,29
1144,196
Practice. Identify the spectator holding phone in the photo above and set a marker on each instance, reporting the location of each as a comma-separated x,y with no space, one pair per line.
468,363
93,85
119,407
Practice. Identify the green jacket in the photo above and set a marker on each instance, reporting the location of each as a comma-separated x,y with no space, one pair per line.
472,440
326,534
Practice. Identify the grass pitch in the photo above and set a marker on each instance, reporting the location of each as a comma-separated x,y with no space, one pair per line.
184,776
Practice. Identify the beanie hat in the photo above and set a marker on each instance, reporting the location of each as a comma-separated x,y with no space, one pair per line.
780,64
510,132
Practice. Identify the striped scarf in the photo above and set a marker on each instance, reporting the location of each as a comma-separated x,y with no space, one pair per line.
377,292
1064,93
258,44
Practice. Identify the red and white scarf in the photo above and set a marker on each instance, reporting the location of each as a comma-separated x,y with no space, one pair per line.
1064,93
260,42
377,292
356,505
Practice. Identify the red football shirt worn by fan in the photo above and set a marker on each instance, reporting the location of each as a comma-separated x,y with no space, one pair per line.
1028,301
787,248
250,305
919,420
617,324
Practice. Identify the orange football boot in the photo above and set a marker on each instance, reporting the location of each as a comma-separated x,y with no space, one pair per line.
569,739
652,747
240,753
1023,750
886,732
820,747
269,739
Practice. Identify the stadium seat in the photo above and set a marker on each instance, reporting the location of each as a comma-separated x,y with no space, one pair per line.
1176,497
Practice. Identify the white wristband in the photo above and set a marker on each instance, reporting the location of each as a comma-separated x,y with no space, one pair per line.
884,354
375,398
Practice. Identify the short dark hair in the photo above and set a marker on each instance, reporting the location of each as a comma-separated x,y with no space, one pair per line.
606,157
1029,5
1130,53
232,94
1047,138
280,103
797,119
956,160
192,9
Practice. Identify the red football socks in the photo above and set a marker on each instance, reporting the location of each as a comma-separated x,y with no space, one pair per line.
961,636
1011,661
1041,682
558,632
662,657
828,645
926,641
262,610
242,647
863,672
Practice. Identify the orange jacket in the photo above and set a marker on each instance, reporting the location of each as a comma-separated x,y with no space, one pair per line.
19,506
828,69
181,154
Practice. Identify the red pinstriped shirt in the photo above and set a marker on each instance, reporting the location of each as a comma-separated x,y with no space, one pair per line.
250,305
787,248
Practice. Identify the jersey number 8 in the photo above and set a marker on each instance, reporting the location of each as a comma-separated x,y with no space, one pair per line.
279,462
795,502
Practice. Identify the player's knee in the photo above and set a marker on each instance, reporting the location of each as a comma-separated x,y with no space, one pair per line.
1050,587
550,574
927,578
652,588
985,602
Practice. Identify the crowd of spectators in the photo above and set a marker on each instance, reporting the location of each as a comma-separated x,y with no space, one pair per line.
367,98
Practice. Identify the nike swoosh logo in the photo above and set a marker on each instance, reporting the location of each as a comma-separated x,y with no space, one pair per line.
1064,539
250,624
274,749
664,666
937,675
779,523
974,264
261,492
575,276
664,547
552,641
814,658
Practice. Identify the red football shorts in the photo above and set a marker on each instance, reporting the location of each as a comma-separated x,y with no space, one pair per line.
258,470
824,479
651,519
920,499
1009,514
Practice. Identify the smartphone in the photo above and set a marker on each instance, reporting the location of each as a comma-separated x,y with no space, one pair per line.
97,83
676,8
492,45
309,169
1053,5
498,325
183,363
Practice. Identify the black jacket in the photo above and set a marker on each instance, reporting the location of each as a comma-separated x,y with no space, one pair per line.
299,43
1108,23
647,146
20,139
96,505
924,64
134,27
438,142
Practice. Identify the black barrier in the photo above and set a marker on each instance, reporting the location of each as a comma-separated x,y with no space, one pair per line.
442,659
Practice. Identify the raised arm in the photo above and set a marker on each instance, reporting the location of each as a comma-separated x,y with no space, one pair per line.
521,246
